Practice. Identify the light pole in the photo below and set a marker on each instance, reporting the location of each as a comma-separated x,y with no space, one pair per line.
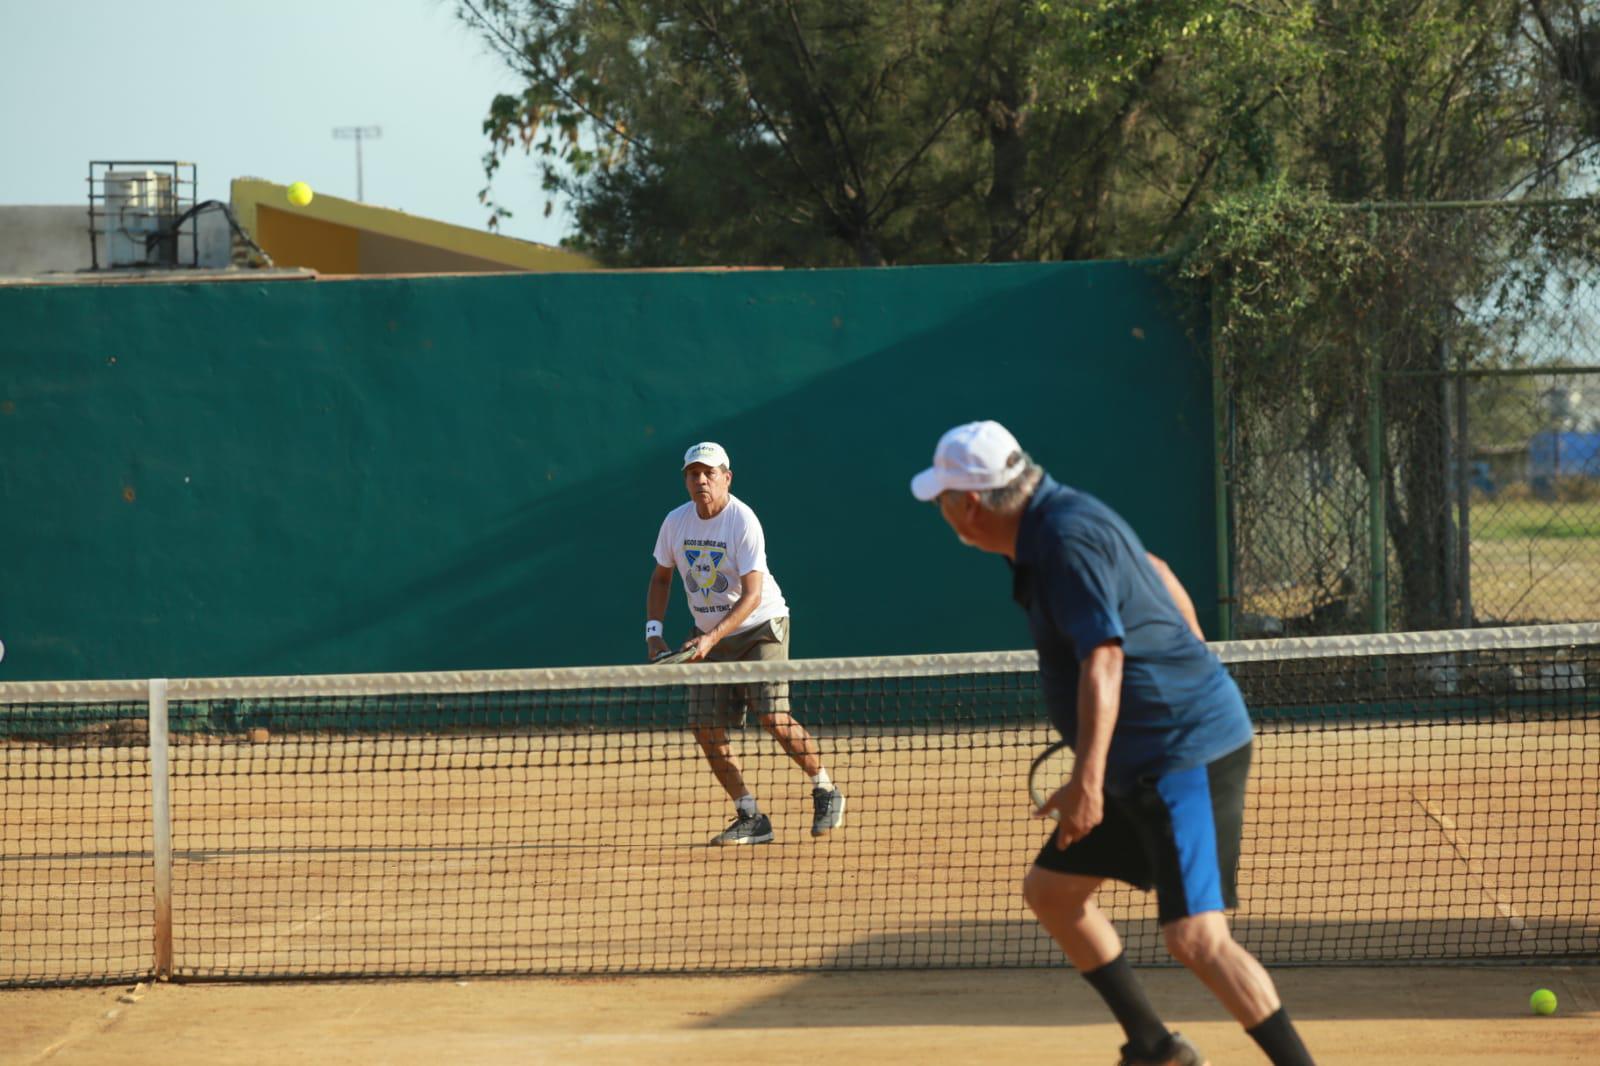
358,134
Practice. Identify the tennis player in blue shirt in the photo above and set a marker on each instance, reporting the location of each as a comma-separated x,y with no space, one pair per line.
1159,730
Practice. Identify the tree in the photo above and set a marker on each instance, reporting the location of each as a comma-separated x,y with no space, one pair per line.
1418,101
1430,101
822,132
1570,46
826,132
813,132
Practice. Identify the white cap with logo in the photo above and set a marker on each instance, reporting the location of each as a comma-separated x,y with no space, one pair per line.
707,452
974,456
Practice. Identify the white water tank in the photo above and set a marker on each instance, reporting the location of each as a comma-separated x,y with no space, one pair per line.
138,204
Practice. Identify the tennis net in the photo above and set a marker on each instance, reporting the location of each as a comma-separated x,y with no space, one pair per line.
1414,797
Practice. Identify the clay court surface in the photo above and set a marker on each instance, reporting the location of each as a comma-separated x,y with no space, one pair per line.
327,855
1357,1017
334,856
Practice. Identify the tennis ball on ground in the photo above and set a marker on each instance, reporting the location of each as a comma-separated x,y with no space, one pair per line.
300,194
259,735
1543,1001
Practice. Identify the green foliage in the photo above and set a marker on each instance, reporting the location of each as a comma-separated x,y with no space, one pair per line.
1277,252
1283,266
814,131
827,132
1412,335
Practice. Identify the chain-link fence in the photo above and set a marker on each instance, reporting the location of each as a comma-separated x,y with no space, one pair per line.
1427,399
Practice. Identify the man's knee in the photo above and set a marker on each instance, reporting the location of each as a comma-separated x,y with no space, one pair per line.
1198,940
776,722
1048,892
713,739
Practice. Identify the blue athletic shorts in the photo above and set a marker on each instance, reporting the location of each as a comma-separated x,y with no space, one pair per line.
1177,833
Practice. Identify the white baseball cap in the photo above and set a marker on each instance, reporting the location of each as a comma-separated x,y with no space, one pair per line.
707,452
977,455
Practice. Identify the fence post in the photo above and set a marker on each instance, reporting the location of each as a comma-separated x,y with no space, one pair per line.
1220,479
1377,538
1463,495
161,826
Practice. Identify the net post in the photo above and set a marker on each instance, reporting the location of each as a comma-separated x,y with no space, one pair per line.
161,826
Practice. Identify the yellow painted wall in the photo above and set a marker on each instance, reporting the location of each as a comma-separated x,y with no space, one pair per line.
336,236
383,254
297,240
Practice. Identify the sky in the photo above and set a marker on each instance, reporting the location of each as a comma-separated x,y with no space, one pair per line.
252,89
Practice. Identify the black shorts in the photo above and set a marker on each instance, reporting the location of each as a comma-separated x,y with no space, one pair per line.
1177,833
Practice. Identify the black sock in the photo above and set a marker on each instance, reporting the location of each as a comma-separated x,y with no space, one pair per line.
1125,996
1279,1040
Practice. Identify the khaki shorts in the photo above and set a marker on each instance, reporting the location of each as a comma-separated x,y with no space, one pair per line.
726,705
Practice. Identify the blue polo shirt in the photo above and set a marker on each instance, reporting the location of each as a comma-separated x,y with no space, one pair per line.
1083,577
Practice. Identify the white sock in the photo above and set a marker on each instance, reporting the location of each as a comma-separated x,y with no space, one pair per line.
747,805
822,780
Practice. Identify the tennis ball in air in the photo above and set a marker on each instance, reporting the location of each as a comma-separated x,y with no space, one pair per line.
300,194
1543,1001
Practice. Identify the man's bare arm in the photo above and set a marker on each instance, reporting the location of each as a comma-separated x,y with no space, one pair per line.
655,607
1081,801
1179,596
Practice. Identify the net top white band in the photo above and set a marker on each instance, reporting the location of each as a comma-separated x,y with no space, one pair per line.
821,670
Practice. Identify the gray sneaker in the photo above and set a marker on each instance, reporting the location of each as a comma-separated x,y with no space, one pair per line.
829,806
1178,1052
746,829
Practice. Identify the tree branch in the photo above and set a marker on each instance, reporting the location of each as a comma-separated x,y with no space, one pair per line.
729,56
509,49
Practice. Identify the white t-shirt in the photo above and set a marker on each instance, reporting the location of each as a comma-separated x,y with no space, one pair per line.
711,554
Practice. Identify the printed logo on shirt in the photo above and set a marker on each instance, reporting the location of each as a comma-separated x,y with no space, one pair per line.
703,576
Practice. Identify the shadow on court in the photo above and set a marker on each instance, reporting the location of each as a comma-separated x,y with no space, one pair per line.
1054,996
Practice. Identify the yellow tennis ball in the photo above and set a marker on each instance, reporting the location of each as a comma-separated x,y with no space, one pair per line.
1543,1001
300,194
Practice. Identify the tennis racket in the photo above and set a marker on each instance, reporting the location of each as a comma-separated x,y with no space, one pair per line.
667,658
1050,770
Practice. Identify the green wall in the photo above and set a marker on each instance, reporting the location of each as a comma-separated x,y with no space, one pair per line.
442,473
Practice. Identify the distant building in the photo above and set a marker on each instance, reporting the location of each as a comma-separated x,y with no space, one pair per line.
39,239
1569,453
335,236
54,242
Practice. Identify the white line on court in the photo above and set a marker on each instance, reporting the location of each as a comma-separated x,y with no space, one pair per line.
1447,826
84,1029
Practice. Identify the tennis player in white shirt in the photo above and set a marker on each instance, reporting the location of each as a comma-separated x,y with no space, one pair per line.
715,546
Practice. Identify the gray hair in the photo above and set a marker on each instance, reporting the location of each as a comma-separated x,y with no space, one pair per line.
1012,497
